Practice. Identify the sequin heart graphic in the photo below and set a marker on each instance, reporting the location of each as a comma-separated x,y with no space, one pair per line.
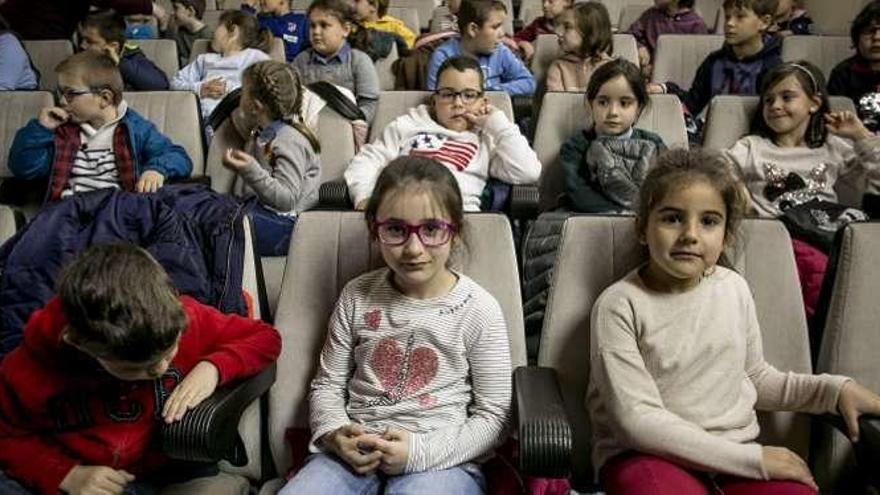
389,357
373,318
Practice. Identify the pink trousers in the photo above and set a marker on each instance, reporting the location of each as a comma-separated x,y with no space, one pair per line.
641,474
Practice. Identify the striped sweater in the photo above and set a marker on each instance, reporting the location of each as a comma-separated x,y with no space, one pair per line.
94,165
438,368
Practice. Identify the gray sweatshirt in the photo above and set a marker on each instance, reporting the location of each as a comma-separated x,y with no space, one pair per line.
286,174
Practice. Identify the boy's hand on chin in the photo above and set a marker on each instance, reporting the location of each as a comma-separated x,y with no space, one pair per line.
52,117
477,119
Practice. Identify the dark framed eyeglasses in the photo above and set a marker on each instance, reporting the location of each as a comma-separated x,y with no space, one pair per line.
871,31
69,93
467,96
431,233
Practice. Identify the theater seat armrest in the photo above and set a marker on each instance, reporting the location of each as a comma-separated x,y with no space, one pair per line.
545,435
868,448
333,195
524,202
209,433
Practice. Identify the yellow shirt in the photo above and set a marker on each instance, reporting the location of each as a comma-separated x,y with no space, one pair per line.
395,26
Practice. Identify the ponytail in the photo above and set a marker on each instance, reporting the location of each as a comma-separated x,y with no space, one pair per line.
263,40
250,34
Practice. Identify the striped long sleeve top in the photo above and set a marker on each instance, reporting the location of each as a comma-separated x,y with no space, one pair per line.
438,368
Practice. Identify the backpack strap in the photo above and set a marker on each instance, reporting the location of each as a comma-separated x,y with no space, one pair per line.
337,101
225,108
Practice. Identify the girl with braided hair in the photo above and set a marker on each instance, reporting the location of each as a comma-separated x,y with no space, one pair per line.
280,170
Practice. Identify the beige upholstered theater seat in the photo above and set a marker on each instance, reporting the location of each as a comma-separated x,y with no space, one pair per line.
409,16
393,104
822,51
176,115
596,251
833,17
46,55
424,8
630,14
19,107
851,338
161,52
200,46
729,119
9,223
330,248
385,71
529,10
564,114
211,18
679,55
227,4
547,50
615,7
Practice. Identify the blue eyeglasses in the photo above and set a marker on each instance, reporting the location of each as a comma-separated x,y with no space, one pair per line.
431,233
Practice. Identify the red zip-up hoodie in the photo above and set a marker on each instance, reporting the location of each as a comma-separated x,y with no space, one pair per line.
59,408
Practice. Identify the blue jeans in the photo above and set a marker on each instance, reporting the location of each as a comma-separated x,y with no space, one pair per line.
324,473
272,231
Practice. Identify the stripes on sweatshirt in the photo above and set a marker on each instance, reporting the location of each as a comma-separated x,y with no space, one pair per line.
439,368
93,169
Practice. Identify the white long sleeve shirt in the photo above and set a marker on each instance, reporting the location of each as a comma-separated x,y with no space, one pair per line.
680,375
438,368
212,65
497,150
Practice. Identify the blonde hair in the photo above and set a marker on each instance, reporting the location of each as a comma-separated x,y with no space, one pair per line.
278,87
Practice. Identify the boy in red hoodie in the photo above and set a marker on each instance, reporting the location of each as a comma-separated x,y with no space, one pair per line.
103,364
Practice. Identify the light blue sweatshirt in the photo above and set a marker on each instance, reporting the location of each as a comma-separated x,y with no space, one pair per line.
502,70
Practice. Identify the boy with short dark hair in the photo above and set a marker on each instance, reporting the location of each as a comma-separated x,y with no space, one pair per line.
276,16
480,23
185,26
103,364
736,68
858,77
104,32
93,140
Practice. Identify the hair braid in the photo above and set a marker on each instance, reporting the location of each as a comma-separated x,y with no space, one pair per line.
277,86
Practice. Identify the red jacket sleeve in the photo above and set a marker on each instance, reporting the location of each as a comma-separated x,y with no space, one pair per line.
29,457
237,346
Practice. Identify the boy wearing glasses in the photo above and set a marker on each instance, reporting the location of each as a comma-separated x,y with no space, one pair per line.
858,77
481,24
458,129
92,140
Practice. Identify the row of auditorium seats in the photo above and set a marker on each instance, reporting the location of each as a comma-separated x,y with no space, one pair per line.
331,248
728,120
677,60
562,114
